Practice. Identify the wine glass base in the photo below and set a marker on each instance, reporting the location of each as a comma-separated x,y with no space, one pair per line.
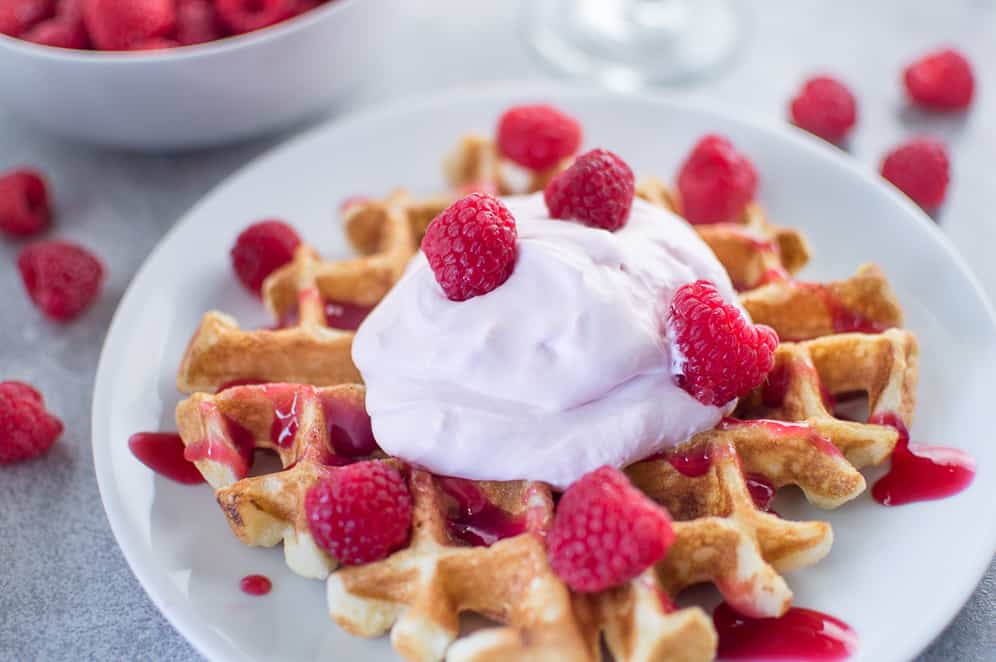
632,43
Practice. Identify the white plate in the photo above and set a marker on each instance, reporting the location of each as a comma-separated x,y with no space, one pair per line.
897,575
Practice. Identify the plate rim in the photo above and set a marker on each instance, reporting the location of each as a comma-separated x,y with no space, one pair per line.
207,644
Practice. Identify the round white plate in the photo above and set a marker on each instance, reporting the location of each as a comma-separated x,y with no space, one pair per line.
897,575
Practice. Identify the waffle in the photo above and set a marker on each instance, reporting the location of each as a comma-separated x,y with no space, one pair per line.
304,347
838,339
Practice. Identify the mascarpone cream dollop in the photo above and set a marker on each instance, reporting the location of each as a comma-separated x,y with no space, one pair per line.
560,370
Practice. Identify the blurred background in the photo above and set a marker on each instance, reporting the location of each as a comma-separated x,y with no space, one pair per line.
748,56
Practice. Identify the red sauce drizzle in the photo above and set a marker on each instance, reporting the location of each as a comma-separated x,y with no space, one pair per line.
844,319
345,316
475,520
920,472
691,462
803,635
239,382
285,419
352,201
239,459
350,433
761,492
163,452
255,584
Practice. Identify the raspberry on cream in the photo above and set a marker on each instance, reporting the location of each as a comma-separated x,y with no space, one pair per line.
560,370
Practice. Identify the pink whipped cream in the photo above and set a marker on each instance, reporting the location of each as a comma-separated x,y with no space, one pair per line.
558,371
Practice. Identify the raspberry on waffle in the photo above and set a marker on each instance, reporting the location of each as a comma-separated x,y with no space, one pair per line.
308,298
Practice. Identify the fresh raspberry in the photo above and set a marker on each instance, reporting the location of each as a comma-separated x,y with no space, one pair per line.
826,108
718,355
606,532
121,25
26,429
261,249
18,16
61,278
538,136
941,80
597,190
716,182
247,15
24,206
919,168
64,30
196,22
471,246
360,513
155,44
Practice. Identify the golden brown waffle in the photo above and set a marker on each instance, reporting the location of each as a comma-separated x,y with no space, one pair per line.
717,485
475,162
304,348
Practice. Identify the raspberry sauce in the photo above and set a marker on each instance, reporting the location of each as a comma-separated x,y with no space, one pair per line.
802,635
285,419
761,492
350,433
691,462
475,520
239,459
255,584
920,472
345,316
238,382
163,453
844,319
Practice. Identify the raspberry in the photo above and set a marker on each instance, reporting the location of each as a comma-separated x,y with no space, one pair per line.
18,16
26,429
471,246
64,30
120,25
597,190
247,15
716,182
360,513
537,137
61,278
261,249
606,532
718,354
155,44
919,168
196,22
825,107
24,206
941,80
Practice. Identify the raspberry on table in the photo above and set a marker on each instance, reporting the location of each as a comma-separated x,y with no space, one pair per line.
919,168
597,190
825,107
27,429
537,136
261,249
718,355
18,16
247,15
121,25
360,513
471,246
61,278
606,532
941,80
24,203
715,182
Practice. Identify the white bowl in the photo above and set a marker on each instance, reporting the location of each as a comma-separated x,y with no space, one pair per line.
197,95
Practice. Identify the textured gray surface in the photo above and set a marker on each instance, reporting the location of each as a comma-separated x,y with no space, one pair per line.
65,590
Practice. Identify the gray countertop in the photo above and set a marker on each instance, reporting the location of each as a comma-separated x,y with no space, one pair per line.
65,590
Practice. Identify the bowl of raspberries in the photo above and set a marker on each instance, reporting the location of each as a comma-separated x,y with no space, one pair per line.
178,74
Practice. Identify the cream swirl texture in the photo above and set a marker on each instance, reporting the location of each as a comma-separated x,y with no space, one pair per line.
560,370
